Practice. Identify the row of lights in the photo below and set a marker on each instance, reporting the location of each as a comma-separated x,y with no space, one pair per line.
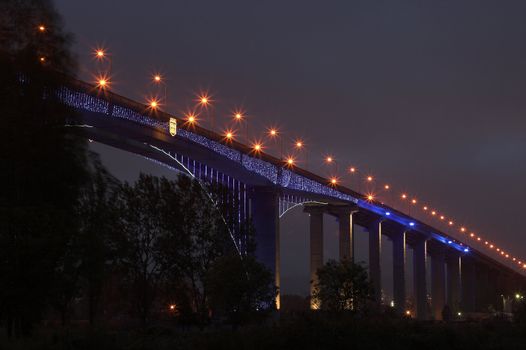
463,230
204,101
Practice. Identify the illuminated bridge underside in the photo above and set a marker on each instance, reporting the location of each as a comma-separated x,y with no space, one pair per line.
264,191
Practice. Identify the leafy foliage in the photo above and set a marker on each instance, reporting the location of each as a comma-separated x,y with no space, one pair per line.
43,167
342,286
240,289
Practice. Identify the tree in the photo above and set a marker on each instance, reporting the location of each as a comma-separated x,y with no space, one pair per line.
97,240
203,237
342,286
43,166
240,288
90,250
140,211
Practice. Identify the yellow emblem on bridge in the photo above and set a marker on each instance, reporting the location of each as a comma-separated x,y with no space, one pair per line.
173,126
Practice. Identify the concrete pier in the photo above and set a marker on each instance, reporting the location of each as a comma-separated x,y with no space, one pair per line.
344,215
375,247
316,243
453,281
420,284
399,255
264,205
468,284
438,283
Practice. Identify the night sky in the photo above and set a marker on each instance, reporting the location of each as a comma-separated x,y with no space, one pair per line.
429,97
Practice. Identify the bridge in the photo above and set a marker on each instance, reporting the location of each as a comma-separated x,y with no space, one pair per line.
265,188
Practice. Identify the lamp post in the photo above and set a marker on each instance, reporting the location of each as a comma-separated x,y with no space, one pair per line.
159,81
332,164
240,118
299,145
275,135
101,57
204,102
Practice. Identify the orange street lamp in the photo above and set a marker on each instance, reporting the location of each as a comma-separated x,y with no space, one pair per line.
239,117
153,103
299,145
102,83
332,163
191,118
159,80
204,100
229,135
257,147
274,134
100,54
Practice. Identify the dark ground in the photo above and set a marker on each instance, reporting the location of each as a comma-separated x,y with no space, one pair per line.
298,332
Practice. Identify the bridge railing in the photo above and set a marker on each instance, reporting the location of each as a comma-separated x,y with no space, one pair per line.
164,117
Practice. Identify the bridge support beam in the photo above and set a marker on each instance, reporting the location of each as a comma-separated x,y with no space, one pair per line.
453,281
264,202
484,289
468,282
344,215
375,247
316,246
420,285
438,279
399,255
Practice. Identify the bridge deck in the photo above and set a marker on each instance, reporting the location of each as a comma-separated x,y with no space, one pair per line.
144,127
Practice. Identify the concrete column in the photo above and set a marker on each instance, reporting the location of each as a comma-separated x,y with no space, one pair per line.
264,209
344,215
453,281
316,244
438,277
399,271
468,282
375,247
346,236
420,285
482,292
